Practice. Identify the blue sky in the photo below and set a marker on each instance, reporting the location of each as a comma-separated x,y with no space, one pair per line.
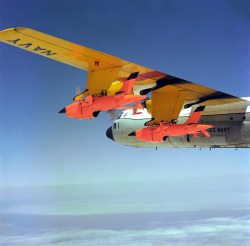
51,165
204,42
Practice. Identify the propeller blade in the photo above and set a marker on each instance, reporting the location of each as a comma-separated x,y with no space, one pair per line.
79,90
112,113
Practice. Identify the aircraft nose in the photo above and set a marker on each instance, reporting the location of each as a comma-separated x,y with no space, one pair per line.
109,133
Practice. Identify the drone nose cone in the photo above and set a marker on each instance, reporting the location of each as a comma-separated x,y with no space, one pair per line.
63,111
132,134
139,134
109,133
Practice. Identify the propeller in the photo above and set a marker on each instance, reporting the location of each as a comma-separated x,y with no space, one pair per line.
112,113
79,90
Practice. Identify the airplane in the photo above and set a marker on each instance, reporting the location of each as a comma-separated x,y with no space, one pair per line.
225,119
230,128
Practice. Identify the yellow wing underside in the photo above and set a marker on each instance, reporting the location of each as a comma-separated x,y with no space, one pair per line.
103,69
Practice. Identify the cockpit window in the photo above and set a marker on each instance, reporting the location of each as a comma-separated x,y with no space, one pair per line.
125,114
119,116
114,126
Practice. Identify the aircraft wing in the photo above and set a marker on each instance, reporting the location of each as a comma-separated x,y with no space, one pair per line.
102,68
168,93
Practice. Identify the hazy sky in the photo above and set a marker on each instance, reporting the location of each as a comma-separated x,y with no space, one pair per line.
206,42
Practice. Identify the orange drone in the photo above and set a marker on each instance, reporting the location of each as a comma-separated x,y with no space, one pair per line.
90,106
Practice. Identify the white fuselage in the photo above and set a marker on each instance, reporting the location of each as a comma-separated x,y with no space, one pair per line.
231,127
